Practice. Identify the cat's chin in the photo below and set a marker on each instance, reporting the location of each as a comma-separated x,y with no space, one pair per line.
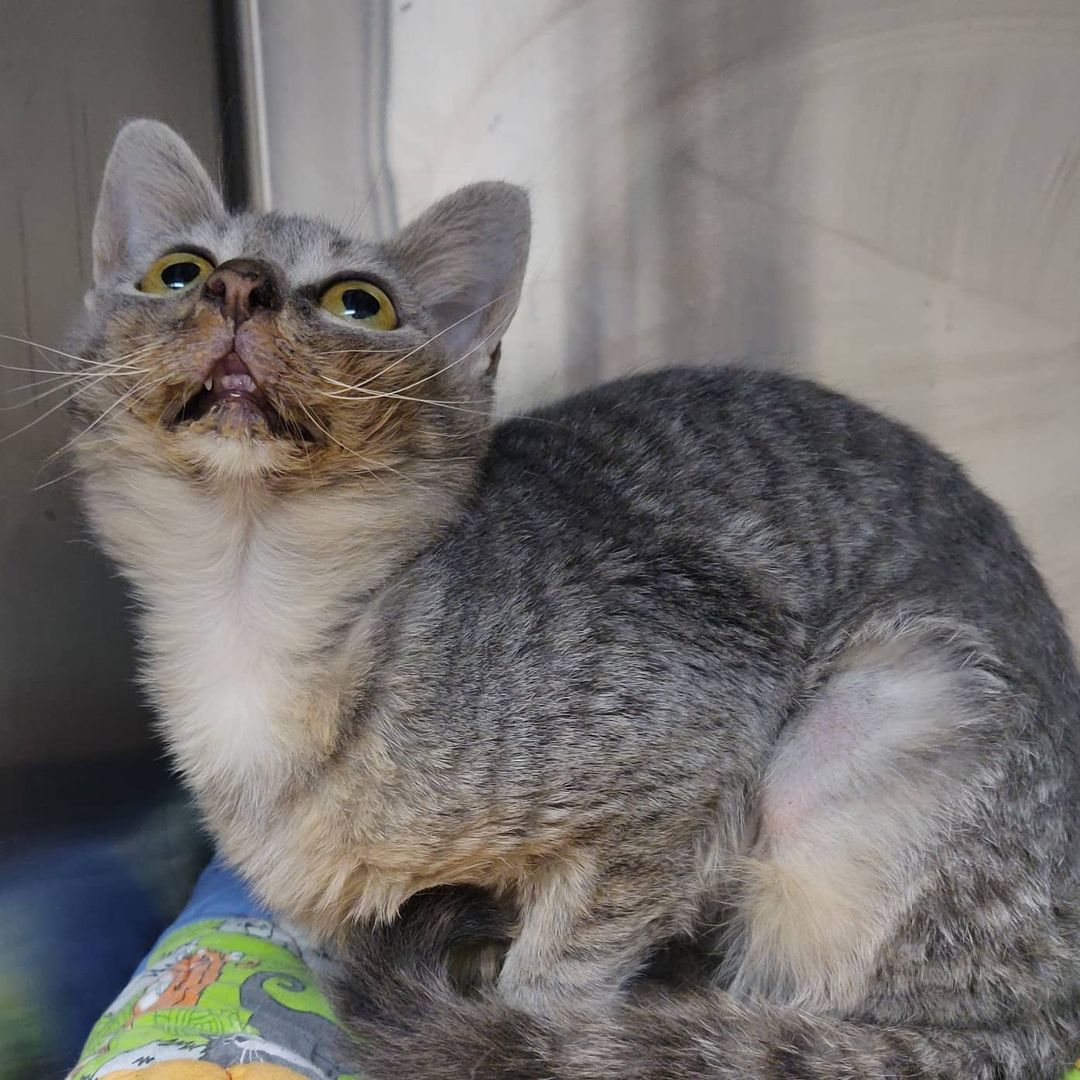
243,421
229,427
230,448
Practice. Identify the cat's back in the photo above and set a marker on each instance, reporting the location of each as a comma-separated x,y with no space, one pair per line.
717,449
738,432
827,506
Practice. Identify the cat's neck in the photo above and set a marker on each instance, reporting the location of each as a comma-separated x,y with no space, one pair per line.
253,614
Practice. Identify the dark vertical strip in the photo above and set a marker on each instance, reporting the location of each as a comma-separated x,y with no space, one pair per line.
384,29
375,39
235,172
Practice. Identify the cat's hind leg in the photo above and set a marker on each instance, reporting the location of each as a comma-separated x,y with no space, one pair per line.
906,816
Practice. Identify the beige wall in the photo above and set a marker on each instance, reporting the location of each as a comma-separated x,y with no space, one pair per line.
884,195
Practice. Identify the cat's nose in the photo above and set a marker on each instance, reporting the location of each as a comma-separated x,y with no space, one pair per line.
243,286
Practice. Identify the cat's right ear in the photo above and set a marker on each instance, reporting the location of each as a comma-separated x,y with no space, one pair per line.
154,187
466,257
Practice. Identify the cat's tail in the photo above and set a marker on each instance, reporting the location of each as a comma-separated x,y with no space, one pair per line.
412,1021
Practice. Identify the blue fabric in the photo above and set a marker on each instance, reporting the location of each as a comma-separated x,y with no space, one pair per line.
218,894
73,921
79,908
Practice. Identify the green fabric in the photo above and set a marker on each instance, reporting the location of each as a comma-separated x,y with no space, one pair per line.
221,990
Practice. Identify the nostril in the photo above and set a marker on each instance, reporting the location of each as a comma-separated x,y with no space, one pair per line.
263,295
241,286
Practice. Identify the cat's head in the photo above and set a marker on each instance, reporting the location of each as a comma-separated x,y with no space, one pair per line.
277,350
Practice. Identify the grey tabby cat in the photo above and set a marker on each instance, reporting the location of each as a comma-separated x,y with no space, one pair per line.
727,709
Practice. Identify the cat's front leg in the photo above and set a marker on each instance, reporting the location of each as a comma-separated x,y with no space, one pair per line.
585,930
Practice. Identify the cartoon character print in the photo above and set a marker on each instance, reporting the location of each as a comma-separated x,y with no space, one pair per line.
155,973
224,1050
320,1042
150,1054
322,960
202,1000
182,984
228,1050
264,930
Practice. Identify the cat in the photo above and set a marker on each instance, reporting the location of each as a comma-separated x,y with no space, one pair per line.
711,660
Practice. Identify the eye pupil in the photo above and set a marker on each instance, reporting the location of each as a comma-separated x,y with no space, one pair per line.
359,304
180,275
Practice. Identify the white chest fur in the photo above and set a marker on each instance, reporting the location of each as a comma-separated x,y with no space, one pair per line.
241,593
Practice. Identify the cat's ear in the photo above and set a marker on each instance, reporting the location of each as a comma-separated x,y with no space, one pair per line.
154,186
466,257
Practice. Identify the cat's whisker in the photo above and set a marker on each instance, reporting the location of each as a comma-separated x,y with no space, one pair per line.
435,337
56,479
127,359
46,348
102,438
349,392
369,395
37,371
479,345
361,387
147,382
380,466
411,352
42,392
450,436
82,380
307,455
51,366
375,395
348,449
47,413
85,381
326,353
50,382
50,377
152,341
43,396
455,406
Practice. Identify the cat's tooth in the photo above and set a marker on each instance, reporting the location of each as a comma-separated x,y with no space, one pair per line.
238,382
243,383
209,384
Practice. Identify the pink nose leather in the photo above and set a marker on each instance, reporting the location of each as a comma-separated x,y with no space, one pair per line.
241,287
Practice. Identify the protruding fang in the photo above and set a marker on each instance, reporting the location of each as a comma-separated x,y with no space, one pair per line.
209,384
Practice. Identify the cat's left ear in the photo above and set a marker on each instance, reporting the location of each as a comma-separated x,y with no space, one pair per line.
154,187
466,257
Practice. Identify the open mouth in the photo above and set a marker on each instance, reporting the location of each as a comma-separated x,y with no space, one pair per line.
230,398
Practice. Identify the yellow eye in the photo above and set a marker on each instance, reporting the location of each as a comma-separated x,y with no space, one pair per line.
361,303
174,273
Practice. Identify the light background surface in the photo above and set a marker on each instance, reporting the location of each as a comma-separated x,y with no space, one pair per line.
882,195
